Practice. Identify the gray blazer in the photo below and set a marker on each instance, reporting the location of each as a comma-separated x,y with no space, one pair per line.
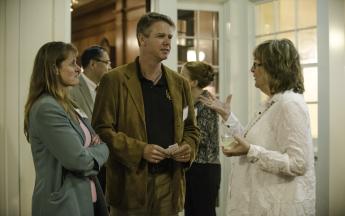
63,166
81,95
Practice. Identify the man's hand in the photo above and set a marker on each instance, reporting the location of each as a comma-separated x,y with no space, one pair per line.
182,154
239,147
154,153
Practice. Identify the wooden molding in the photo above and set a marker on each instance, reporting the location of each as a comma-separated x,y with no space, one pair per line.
92,7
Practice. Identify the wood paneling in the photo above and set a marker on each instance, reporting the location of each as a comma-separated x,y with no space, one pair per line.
127,15
92,22
115,20
131,42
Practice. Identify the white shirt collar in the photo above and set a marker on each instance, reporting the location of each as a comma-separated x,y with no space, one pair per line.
91,86
89,82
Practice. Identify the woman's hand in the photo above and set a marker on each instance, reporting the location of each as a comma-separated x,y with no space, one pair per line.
95,140
239,147
222,108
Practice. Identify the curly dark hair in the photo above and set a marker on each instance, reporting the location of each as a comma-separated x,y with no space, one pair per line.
200,71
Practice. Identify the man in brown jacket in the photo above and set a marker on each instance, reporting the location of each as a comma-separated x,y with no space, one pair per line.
144,112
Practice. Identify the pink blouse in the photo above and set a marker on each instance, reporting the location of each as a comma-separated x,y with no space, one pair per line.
87,144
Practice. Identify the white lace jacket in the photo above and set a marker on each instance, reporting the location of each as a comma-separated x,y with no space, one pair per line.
277,175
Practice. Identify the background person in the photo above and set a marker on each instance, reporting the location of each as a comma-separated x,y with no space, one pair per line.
95,62
203,177
274,173
141,109
66,151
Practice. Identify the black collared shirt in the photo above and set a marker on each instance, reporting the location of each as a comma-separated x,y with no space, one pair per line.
159,114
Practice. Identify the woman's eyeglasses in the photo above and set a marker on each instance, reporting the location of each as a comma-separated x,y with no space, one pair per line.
255,65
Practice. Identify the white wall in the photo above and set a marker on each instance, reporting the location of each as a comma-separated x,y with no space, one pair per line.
2,108
25,25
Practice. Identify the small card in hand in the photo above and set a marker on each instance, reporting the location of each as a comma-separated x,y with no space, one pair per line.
171,149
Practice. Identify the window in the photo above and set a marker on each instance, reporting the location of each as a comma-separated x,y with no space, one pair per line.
294,20
198,40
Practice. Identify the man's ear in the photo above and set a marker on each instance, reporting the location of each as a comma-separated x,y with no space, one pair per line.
141,39
92,63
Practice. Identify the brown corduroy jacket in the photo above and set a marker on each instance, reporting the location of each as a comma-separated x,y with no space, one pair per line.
119,119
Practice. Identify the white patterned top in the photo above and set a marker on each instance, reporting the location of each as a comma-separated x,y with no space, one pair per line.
277,175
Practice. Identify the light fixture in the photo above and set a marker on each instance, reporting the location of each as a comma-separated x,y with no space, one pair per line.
202,56
191,55
73,4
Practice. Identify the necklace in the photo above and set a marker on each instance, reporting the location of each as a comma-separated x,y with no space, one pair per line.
257,118
157,78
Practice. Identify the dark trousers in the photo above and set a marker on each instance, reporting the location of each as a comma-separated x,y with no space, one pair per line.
202,186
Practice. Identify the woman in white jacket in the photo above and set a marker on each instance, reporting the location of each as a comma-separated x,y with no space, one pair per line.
274,171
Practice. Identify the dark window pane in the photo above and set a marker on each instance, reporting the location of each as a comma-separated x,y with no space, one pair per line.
185,23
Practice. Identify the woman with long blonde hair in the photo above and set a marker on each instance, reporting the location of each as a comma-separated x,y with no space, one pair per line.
66,151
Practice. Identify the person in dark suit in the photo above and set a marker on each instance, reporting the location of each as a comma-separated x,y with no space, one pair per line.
95,62
145,114
67,153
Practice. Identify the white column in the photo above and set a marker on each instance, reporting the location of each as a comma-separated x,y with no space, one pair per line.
168,8
10,124
330,165
4,190
322,164
25,26
336,108
235,77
